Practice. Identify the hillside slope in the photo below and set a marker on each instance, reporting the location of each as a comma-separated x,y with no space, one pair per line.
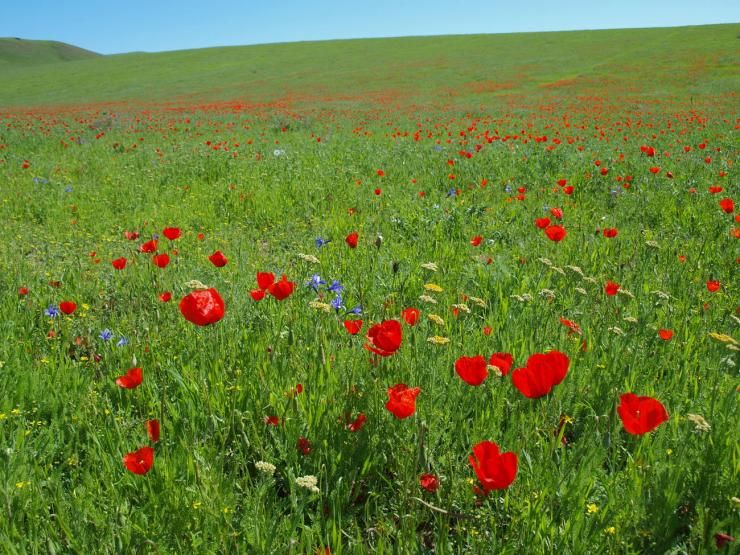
22,53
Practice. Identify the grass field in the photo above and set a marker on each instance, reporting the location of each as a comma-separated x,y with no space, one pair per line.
444,155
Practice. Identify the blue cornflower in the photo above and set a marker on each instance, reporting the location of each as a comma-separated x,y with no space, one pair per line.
335,287
320,242
452,192
106,335
337,303
315,282
356,310
52,311
122,342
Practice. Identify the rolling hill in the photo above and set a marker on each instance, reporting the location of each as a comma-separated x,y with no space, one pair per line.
16,52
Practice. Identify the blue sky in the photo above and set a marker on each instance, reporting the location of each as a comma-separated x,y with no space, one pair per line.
110,26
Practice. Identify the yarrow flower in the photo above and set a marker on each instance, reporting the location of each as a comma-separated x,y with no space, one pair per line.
265,467
309,482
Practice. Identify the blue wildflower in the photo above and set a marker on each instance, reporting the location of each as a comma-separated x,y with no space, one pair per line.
315,282
122,342
106,335
52,311
356,310
452,192
507,188
337,303
335,287
320,242
68,190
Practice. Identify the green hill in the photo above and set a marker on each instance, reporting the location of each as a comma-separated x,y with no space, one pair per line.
680,61
15,52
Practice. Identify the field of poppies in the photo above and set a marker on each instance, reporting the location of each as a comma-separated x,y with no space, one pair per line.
372,327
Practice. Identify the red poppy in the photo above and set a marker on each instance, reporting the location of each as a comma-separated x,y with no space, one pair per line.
611,288
68,307
541,374
715,189
218,259
152,430
380,173
357,424
201,236
271,420
555,233
384,339
165,297
303,446
141,461
568,190
495,470
351,240
654,170
557,213
410,315
202,307
542,223
171,233
149,246
721,539
119,263
727,205
22,291
402,400
573,326
610,232
378,191
257,294
161,260
712,286
131,379
131,235
265,279
353,326
562,182
282,289
640,414
487,330
665,335
475,241
429,482
502,361
472,370
604,171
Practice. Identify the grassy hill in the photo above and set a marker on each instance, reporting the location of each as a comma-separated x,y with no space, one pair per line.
682,61
22,53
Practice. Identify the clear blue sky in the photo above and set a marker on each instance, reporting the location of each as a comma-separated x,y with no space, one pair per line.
113,26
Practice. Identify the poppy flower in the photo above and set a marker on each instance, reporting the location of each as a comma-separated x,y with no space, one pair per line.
152,430
131,235
68,307
161,260
542,223
119,263
304,446
171,233
218,259
721,539
557,213
654,170
202,307
281,289
410,315
357,424
610,232
555,233
265,279
665,335
611,288
727,205
472,370
429,482
712,286
572,326
353,326
351,240
149,246
271,420
640,414
384,339
475,241
402,400
715,189
380,173
568,190
487,330
131,379
22,291
541,374
502,361
378,191
257,294
141,461
562,182
165,297
495,470
201,236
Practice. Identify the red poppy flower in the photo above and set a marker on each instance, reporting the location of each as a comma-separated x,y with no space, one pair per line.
165,297
303,446
610,232
271,420
378,191
161,260
712,286
218,259
715,189
557,213
171,233
131,235
152,430
562,182
541,374
472,370
665,335
141,461
604,171
429,482
402,400
573,326
353,326
351,240
265,279
380,173
119,263
475,241
384,339
131,379
410,315
487,330
257,294
22,291
357,424
727,205
149,246
568,190
68,307
502,361
611,288
201,236
542,223
555,233
654,170
495,470
202,307
721,539
282,289
640,414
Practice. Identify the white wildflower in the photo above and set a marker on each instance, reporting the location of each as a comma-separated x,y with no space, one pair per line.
265,467
309,482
